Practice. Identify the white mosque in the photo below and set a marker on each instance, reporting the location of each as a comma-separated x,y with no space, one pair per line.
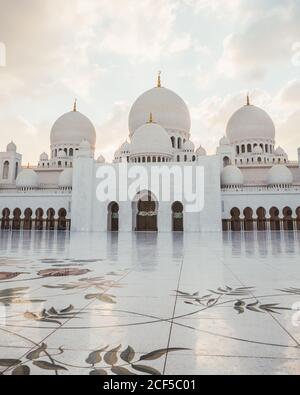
250,185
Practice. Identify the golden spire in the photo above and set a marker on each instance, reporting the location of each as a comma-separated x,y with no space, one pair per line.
75,105
248,99
159,80
150,118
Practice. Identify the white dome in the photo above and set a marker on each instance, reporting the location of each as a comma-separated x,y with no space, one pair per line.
11,147
168,110
151,138
232,175
66,179
44,156
279,174
249,123
201,151
72,128
61,154
101,159
258,150
189,146
224,141
27,179
84,144
280,152
117,153
125,147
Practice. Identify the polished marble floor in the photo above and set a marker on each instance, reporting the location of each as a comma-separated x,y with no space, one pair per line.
104,304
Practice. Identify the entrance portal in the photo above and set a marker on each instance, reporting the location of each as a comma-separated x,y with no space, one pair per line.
113,217
146,220
177,210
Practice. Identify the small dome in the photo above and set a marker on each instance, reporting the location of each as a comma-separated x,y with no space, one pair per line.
11,147
280,152
85,144
232,175
61,154
27,179
117,153
151,138
168,110
101,159
125,147
66,178
224,141
72,128
250,122
189,146
44,156
201,151
279,174
258,150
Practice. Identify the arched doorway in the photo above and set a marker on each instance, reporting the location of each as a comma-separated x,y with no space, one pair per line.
288,222
16,224
146,219
5,219
50,222
113,217
248,221
39,219
226,161
27,224
298,218
261,219
274,219
177,217
62,221
235,220
5,173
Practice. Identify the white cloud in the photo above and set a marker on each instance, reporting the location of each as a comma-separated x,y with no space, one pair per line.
265,38
290,94
113,131
142,30
58,50
219,8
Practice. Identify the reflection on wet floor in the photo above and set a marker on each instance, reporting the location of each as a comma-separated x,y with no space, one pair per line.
99,303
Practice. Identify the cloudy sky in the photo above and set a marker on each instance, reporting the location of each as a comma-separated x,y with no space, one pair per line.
107,52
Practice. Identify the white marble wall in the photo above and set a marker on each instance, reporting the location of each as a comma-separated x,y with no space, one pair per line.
90,214
83,194
35,200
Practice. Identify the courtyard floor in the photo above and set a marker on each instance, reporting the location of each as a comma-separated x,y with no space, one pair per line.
149,303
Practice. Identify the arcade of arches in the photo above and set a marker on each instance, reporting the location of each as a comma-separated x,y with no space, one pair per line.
38,220
145,212
262,220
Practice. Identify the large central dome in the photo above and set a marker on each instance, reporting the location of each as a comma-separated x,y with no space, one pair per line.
72,128
168,110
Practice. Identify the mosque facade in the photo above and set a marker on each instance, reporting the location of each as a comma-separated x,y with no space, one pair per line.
248,185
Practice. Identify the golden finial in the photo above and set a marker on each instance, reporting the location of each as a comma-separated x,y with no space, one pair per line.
248,100
159,80
151,118
75,105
